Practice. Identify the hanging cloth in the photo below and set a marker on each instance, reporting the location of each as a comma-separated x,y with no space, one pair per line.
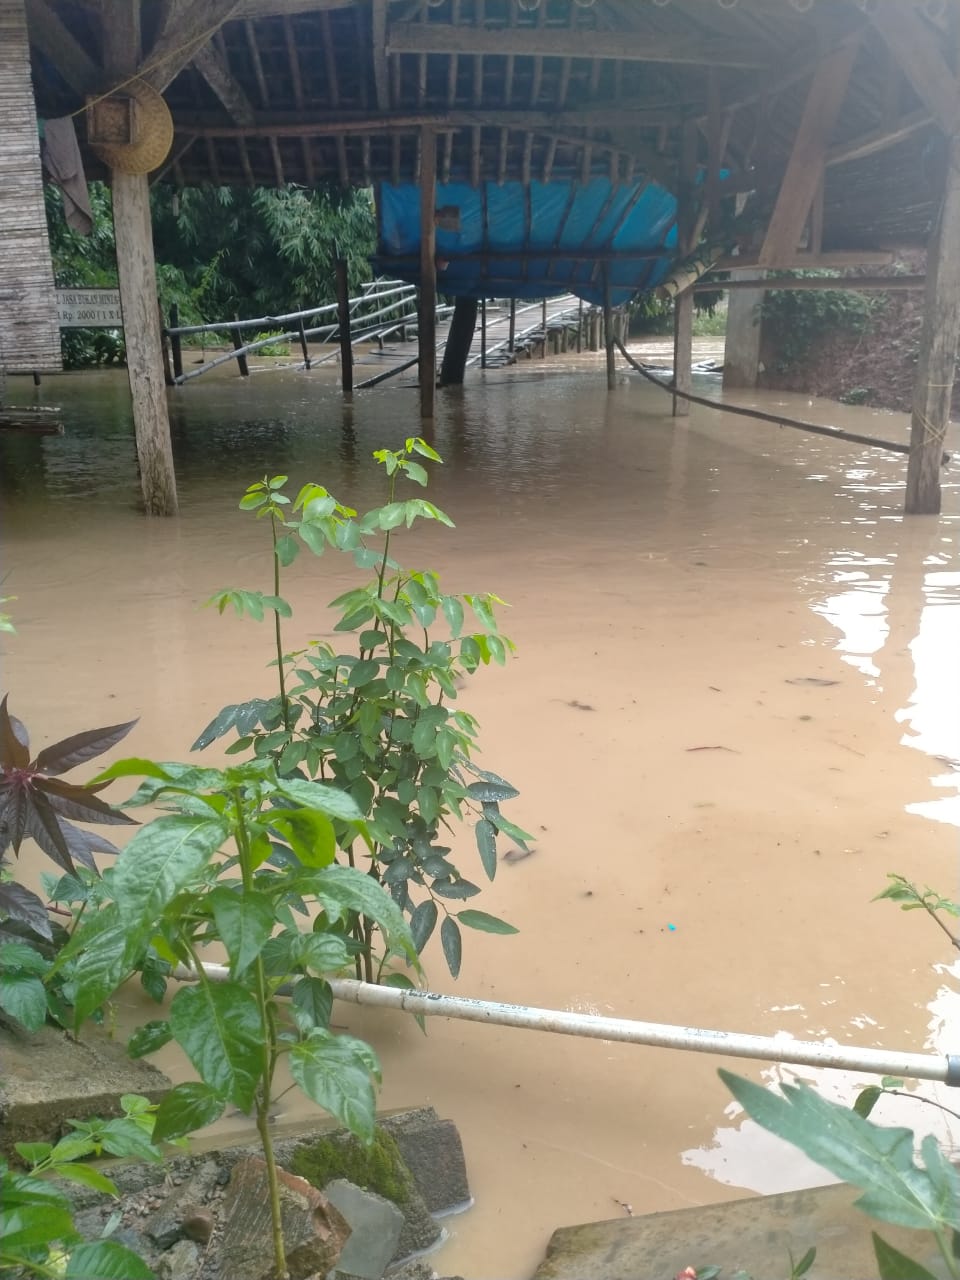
61,159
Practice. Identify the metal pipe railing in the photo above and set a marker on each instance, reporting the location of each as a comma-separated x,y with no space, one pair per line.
806,1053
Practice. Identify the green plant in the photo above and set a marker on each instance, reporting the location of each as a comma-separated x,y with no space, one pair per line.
37,1232
237,856
378,1167
793,319
799,1267
277,348
378,722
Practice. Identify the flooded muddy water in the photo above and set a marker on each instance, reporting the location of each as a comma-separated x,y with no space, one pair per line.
734,709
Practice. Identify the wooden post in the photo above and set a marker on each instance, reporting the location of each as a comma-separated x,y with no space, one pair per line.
427,328
237,336
165,351
176,349
512,335
741,352
580,327
936,367
343,323
137,277
459,341
608,332
543,326
303,344
683,303
483,333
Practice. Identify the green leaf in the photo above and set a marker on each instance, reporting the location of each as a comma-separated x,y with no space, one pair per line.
337,1073
244,922
486,835
340,888
423,921
149,1038
877,1160
33,1225
106,1260
322,952
278,605
391,515
250,501
127,1139
800,1269
218,1027
452,945
318,795
312,1003
161,859
309,834
416,445
491,791
894,1265
867,1099
186,1108
456,890
20,955
484,922
24,998
287,549
417,473
88,1177
32,1152
453,612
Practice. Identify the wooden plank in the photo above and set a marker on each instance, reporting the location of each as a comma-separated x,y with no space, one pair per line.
830,260
560,42
381,70
51,37
186,27
918,52
212,65
854,284
805,168
867,144
936,366
427,320
293,124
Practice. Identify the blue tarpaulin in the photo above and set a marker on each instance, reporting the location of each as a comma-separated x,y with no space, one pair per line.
541,240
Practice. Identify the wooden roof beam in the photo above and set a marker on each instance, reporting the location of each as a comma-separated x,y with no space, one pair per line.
381,69
918,52
805,168
212,65
553,42
865,144
51,37
187,26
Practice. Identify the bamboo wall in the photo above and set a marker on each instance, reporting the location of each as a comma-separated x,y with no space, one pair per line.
29,333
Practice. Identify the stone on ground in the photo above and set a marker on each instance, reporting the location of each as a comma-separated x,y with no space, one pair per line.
375,1227
314,1231
181,1215
47,1079
432,1151
757,1235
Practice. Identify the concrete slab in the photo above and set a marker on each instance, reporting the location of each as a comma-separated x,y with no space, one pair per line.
754,1234
375,1226
47,1078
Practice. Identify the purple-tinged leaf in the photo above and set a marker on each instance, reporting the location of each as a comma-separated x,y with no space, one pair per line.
81,804
18,903
41,825
84,843
13,816
69,752
14,754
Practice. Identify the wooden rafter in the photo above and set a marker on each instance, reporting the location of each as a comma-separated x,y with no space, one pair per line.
296,80
186,27
556,42
888,135
71,60
918,52
805,168
212,65
381,70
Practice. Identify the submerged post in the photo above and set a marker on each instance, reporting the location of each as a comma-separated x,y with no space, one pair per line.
608,333
240,348
683,303
512,335
459,341
936,366
176,349
427,326
343,320
483,333
543,325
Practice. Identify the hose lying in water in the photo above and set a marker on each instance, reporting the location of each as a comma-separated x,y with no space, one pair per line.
807,1053
797,424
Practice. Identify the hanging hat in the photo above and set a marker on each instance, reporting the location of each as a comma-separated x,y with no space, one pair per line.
131,130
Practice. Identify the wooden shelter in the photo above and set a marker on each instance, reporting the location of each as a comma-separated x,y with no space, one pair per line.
813,133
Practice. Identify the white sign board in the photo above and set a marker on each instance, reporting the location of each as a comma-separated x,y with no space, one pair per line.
89,309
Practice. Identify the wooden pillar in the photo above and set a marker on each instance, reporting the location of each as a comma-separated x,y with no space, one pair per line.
137,276
543,326
427,328
236,336
512,336
304,349
936,366
343,323
683,303
608,331
580,326
459,342
176,348
483,333
741,351
164,352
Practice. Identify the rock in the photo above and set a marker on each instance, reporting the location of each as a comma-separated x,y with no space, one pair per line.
314,1231
168,1224
375,1227
432,1151
179,1262
48,1079
415,1270
198,1225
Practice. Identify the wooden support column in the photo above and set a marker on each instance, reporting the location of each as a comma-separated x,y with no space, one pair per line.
543,326
176,347
512,335
483,333
936,367
608,331
343,322
236,337
459,341
741,351
427,327
137,275
683,303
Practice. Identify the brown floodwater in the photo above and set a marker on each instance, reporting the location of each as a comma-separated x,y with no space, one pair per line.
733,710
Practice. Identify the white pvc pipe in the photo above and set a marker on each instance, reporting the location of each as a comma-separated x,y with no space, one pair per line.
807,1053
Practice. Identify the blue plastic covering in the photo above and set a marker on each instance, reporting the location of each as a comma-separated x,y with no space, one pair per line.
635,221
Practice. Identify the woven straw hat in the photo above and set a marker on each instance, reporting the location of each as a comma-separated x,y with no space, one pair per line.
151,128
